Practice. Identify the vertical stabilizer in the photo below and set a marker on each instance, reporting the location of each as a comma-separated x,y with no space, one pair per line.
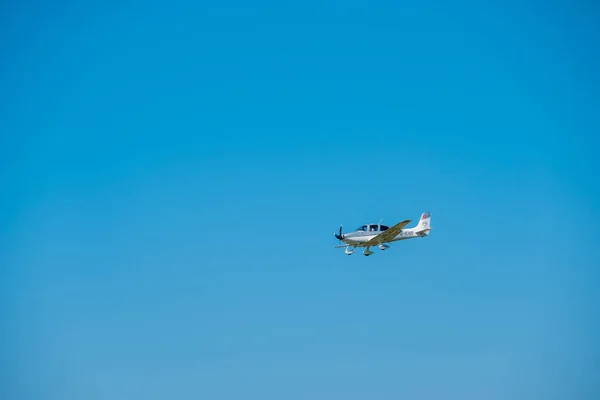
424,225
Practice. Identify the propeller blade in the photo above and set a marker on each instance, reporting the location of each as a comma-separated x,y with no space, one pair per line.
339,236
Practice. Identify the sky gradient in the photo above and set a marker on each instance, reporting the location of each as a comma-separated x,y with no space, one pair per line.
173,174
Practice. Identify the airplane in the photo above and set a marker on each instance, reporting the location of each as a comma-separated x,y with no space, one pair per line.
380,235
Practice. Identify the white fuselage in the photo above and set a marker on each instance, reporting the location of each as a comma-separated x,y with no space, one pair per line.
357,238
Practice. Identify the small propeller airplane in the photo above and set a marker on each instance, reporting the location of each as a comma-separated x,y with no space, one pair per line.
380,235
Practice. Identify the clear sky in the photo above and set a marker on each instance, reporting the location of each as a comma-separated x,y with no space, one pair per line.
173,173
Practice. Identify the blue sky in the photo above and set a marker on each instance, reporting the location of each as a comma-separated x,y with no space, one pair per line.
173,175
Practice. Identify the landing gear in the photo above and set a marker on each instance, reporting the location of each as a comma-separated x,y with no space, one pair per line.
348,251
384,246
367,252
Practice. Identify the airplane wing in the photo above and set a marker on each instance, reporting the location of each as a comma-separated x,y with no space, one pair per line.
388,234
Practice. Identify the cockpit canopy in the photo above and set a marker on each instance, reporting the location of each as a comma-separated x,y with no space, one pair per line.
372,228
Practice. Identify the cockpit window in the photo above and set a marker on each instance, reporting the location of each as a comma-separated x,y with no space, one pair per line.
362,228
372,228
384,228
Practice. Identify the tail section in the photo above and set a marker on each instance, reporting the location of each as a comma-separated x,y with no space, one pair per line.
424,225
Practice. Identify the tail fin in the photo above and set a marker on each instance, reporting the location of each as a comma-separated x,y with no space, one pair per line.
424,225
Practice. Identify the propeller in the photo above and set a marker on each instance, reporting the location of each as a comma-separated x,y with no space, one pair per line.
339,236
